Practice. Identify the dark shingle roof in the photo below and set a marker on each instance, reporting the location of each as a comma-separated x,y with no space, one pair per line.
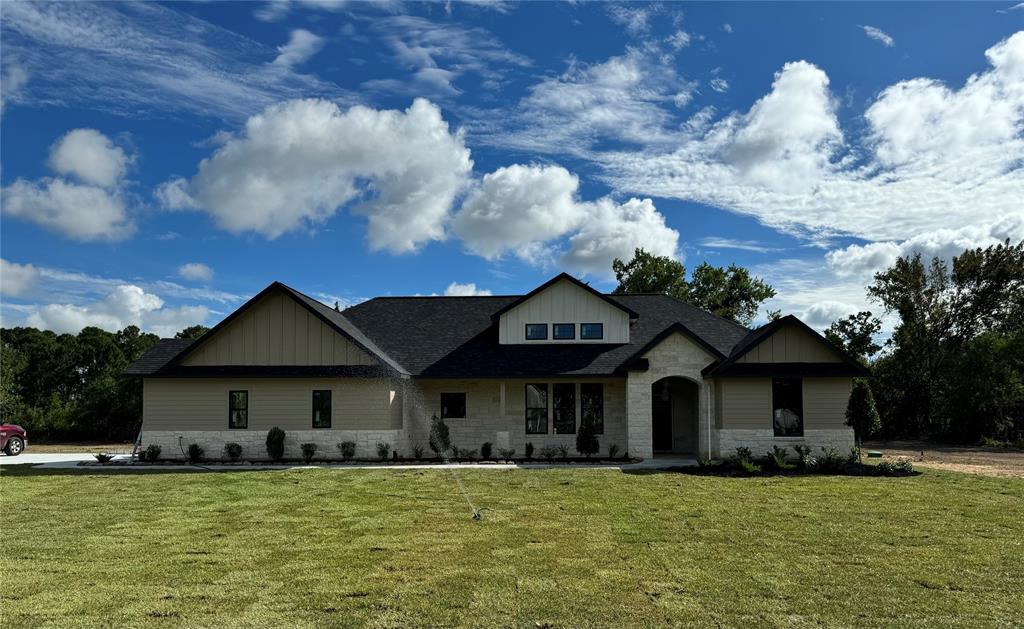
158,356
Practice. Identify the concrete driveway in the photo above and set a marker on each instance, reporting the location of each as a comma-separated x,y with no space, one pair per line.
39,458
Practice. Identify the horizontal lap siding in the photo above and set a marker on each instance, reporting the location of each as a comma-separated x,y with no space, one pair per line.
825,401
747,402
202,403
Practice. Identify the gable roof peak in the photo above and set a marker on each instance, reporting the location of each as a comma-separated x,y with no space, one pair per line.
563,276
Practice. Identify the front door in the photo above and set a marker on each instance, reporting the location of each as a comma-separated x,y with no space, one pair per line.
661,417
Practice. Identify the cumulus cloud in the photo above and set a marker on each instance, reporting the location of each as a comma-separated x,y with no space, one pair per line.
879,35
126,304
301,45
196,271
465,290
615,230
89,204
17,279
296,163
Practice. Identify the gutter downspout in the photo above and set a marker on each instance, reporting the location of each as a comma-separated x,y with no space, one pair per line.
707,414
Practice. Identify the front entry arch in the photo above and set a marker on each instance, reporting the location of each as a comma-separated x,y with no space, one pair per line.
675,409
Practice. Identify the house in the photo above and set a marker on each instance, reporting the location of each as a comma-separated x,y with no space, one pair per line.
655,374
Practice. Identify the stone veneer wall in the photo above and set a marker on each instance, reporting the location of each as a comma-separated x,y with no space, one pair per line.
761,441
254,442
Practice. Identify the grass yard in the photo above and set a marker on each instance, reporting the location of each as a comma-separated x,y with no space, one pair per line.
564,548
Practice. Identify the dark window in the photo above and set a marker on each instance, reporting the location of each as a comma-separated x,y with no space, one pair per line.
536,331
591,331
321,409
536,409
592,404
238,409
563,396
788,407
453,406
564,331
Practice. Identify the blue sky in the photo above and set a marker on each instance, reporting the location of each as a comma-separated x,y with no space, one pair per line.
162,162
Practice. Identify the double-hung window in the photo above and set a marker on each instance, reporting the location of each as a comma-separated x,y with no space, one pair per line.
592,405
238,409
322,409
563,397
788,407
536,409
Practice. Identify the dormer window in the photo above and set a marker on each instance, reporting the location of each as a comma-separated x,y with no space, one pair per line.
564,331
591,331
536,331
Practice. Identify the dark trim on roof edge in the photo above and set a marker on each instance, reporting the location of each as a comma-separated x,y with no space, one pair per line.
565,276
806,370
664,334
278,371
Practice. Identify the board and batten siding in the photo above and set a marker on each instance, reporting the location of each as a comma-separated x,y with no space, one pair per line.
746,403
191,404
564,302
278,331
791,344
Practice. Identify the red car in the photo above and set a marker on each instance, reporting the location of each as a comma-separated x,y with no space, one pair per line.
13,439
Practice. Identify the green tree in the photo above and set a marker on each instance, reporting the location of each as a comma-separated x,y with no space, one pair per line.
648,273
192,332
861,414
586,438
856,334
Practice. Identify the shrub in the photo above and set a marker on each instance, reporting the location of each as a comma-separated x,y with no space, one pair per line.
804,458
777,457
744,453
702,462
563,450
899,467
612,451
195,453
748,467
440,439
308,450
854,456
383,449
275,443
468,454
586,438
830,460
152,452
529,449
103,457
861,414
485,451
506,454
802,450
233,451
417,452
549,452
347,450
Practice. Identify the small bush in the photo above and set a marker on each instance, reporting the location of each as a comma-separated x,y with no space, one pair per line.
802,450
103,457
854,456
468,454
506,454
195,453
899,467
748,467
804,458
347,450
744,453
549,452
308,450
417,452
830,460
529,449
275,443
777,457
153,452
563,451
440,438
612,451
702,462
383,449
586,438
485,451
233,451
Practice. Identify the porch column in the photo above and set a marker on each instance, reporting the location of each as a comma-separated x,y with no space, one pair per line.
639,438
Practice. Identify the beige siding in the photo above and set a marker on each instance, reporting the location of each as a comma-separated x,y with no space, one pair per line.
278,331
564,302
791,344
747,403
202,403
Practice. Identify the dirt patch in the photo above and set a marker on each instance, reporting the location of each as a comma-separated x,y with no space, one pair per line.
999,462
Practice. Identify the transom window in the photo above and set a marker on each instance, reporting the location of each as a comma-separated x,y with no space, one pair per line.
238,409
591,331
453,406
788,407
592,404
536,409
322,409
564,331
564,406
536,331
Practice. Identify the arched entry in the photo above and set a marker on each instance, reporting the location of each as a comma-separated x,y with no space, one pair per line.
674,412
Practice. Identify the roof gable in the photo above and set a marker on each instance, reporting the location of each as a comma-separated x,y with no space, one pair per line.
558,278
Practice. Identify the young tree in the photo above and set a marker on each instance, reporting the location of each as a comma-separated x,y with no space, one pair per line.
861,414
648,273
856,334
586,438
440,439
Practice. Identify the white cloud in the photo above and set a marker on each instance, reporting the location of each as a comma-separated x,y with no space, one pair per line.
276,10
196,271
719,84
879,35
716,242
17,279
301,45
679,40
296,163
126,304
727,28
12,81
90,156
465,290
635,19
614,230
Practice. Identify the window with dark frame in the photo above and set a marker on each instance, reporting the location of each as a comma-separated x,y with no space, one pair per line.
563,331
536,409
788,407
238,409
536,331
592,404
563,406
453,406
591,331
322,409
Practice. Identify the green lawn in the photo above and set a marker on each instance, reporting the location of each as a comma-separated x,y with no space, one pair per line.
568,548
